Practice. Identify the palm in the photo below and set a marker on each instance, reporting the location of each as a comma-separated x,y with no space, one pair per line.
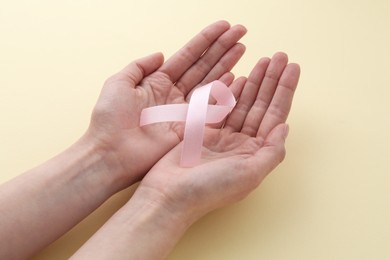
148,82
236,158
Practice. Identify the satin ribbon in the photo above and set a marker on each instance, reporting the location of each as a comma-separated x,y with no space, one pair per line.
196,114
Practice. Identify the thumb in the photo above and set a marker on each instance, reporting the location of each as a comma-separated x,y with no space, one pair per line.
278,135
143,67
273,151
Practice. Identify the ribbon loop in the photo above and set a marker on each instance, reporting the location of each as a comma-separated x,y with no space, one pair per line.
196,114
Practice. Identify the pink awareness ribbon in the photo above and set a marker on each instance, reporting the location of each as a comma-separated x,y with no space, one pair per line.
196,114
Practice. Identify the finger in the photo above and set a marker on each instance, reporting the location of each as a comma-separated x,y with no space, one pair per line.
227,41
190,53
227,78
280,106
267,89
237,118
226,63
236,87
222,68
137,70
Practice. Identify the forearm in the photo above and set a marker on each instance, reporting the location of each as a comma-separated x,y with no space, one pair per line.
40,205
142,229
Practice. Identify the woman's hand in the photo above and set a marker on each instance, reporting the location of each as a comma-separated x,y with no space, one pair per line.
235,160
237,157
130,150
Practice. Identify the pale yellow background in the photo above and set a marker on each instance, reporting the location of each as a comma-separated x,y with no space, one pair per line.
330,199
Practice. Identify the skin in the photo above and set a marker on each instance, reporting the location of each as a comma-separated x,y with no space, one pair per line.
150,82
40,205
235,159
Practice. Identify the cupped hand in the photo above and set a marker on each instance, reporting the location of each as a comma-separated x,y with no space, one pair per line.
237,157
149,81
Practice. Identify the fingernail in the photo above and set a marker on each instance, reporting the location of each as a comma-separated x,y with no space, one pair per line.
286,130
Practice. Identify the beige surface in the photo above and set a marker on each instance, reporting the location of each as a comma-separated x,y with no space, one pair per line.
329,200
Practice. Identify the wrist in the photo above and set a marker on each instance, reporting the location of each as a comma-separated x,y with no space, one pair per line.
176,215
54,196
151,222
144,222
181,205
109,165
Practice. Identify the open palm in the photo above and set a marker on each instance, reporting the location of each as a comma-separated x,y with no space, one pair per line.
237,157
149,82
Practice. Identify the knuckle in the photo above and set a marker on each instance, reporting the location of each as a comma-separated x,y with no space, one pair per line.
272,74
